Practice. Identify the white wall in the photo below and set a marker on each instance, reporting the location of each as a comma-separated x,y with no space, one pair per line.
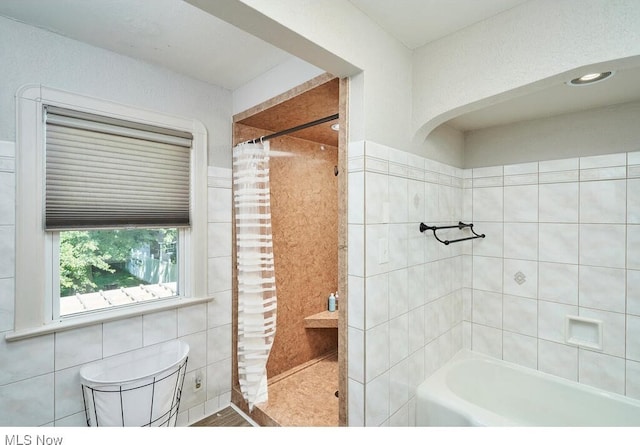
557,199
391,100
562,238
569,226
33,56
447,145
39,380
402,96
557,35
274,82
39,377
405,306
612,129
337,37
504,54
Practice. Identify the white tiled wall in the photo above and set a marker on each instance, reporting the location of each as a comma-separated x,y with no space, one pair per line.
39,377
7,224
405,288
562,239
569,229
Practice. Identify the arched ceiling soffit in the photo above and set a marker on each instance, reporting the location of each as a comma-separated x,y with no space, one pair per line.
544,98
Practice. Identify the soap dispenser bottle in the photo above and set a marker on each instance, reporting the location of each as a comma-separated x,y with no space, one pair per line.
332,303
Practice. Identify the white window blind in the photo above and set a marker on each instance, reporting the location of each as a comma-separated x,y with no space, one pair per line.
104,172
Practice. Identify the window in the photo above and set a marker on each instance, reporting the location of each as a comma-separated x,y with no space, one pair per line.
101,269
111,210
106,172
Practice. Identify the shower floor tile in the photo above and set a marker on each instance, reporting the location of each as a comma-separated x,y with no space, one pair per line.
306,397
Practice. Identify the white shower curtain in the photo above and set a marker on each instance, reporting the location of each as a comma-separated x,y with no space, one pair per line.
255,268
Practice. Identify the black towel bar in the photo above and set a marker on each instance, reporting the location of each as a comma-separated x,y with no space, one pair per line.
460,226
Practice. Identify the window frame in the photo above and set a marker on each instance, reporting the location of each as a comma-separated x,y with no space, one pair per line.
35,253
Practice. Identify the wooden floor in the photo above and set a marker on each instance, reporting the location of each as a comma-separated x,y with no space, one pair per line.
226,417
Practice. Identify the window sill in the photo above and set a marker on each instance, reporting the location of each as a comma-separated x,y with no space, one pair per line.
79,321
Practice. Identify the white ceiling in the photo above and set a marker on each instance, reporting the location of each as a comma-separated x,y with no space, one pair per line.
557,99
418,22
183,38
169,33
177,35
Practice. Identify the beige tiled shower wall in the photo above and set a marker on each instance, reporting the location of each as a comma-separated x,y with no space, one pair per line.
39,377
405,288
563,238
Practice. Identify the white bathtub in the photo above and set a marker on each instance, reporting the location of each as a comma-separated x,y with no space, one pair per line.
476,390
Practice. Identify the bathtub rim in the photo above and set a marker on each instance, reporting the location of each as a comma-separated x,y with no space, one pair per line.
439,392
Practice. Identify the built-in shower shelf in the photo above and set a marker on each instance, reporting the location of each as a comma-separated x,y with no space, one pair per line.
324,319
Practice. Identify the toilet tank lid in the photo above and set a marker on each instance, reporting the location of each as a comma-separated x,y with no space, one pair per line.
134,365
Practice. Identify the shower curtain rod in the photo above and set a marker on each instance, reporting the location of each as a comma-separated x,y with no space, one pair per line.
294,129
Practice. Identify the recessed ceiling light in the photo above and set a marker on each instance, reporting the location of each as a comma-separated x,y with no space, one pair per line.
335,127
590,78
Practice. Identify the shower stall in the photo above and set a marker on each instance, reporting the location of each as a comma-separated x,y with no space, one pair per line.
303,363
